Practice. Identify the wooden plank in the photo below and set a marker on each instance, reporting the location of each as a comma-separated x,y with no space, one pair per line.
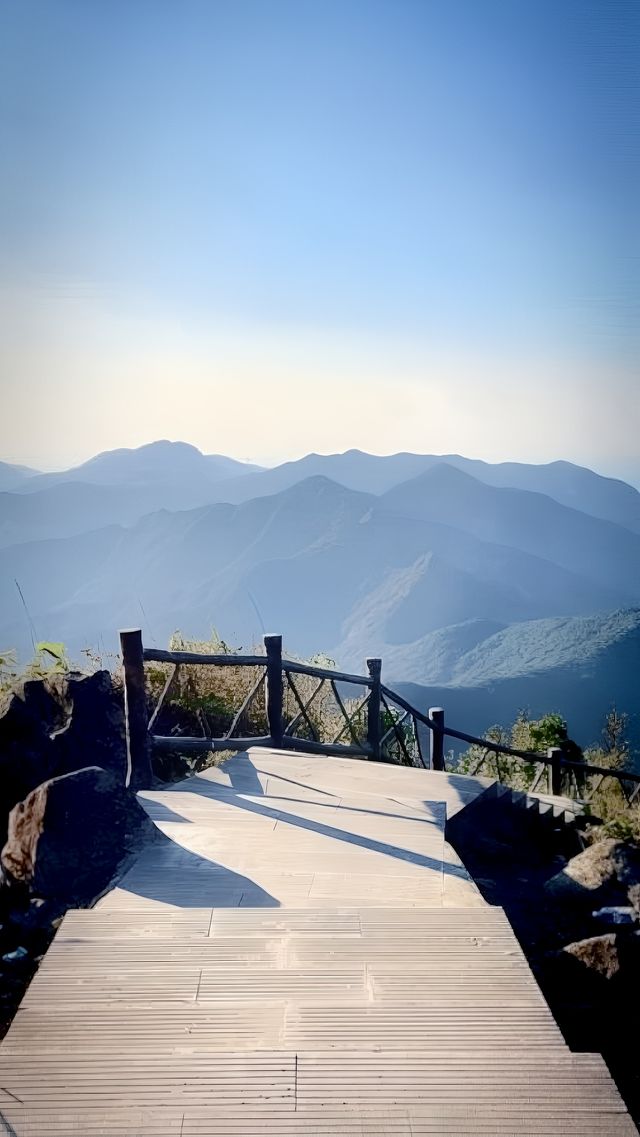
309,1014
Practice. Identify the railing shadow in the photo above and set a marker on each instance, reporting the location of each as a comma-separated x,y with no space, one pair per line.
243,776
212,790
171,874
158,811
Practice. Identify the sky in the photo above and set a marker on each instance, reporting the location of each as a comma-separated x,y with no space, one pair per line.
268,227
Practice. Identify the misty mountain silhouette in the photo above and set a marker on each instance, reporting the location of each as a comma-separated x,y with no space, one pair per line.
448,575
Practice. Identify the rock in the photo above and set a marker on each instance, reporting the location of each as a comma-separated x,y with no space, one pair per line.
599,953
52,726
26,754
68,838
633,896
15,956
603,875
618,915
38,915
94,727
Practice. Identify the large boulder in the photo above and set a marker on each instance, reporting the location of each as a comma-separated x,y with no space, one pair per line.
26,754
603,875
68,838
94,725
54,725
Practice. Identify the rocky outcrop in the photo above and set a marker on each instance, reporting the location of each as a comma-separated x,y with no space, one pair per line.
607,874
69,837
53,726
95,725
67,818
26,754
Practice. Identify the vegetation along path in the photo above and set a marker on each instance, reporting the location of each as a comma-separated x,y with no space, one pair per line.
301,951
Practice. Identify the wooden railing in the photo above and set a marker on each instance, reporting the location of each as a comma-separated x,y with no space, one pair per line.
386,720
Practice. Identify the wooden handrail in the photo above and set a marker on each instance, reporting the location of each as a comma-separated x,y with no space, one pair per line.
587,768
326,673
156,655
194,745
275,667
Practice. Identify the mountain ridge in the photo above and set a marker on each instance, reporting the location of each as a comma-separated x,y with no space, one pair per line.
594,669
315,553
227,479
449,578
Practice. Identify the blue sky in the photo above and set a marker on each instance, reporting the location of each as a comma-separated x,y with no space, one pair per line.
234,222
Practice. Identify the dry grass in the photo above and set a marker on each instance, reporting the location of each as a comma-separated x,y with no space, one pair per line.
204,699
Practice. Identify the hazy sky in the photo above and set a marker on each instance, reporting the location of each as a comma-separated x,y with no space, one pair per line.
274,226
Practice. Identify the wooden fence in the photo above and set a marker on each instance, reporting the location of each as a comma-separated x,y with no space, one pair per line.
389,721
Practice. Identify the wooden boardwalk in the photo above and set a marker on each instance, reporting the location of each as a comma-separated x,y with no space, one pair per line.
300,953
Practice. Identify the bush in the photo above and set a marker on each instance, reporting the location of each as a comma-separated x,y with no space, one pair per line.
204,699
621,826
612,752
532,735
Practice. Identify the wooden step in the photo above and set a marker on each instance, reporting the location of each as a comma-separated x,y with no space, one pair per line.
232,985
212,1093
328,1123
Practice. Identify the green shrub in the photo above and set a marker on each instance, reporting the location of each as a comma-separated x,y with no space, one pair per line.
532,735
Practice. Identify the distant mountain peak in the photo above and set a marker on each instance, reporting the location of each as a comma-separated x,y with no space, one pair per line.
320,484
161,446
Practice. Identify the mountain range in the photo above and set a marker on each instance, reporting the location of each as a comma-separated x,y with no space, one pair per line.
464,576
120,486
578,666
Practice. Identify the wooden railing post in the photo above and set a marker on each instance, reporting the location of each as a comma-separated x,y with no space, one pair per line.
554,753
374,732
436,741
273,647
139,771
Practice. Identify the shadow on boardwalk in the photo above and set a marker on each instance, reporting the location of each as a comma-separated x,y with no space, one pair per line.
171,874
213,791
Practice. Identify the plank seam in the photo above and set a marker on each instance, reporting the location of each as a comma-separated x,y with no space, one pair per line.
198,987
295,1084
